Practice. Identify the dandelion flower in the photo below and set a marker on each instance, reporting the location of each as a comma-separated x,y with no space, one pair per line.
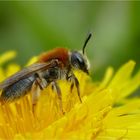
106,111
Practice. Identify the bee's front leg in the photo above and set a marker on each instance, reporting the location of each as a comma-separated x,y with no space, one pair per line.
78,88
58,91
75,82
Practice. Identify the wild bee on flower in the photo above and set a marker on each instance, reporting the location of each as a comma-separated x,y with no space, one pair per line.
51,66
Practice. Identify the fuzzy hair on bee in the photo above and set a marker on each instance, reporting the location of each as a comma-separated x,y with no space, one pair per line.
51,66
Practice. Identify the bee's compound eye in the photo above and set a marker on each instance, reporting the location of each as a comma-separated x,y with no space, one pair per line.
78,61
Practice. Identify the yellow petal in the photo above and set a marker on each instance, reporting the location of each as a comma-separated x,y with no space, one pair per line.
95,118
120,134
7,56
107,77
123,84
12,69
2,74
123,74
32,60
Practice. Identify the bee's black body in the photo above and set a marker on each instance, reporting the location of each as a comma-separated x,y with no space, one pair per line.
23,86
18,89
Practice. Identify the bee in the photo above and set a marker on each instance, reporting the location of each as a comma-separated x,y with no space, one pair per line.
50,67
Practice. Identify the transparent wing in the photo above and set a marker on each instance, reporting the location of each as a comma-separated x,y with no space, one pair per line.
26,72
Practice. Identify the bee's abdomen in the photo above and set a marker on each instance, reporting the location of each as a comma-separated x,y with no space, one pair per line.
17,90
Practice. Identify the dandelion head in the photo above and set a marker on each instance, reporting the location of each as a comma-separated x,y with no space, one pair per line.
106,112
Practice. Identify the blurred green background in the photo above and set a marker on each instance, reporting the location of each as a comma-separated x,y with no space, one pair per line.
34,27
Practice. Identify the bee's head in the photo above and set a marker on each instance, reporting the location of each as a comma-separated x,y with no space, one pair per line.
79,60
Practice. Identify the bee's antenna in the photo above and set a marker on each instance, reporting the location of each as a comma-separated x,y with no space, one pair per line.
86,41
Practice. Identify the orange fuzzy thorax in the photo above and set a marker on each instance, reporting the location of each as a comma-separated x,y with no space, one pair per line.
58,53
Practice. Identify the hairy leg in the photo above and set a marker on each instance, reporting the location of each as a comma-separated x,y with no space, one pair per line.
75,82
58,91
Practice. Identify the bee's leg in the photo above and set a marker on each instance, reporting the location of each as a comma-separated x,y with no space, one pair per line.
70,79
41,81
75,82
72,86
38,85
78,88
57,88
35,95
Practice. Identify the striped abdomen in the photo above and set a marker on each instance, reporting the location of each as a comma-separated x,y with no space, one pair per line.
17,90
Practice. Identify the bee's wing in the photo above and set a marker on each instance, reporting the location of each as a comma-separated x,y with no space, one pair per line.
25,72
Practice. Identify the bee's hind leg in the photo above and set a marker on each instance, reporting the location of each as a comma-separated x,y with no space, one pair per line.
57,89
35,91
38,85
